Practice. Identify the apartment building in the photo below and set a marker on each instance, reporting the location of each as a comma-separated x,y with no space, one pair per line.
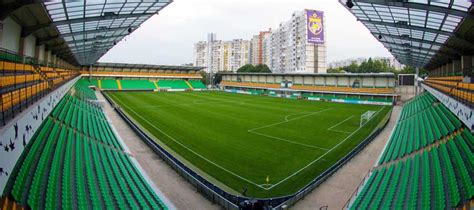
296,46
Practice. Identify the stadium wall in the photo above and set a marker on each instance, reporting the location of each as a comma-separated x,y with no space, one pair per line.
10,35
16,135
463,112
370,80
228,200
331,97
321,178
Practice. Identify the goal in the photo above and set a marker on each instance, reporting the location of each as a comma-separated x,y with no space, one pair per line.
364,118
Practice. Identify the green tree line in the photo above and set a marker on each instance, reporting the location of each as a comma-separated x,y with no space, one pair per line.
260,68
374,66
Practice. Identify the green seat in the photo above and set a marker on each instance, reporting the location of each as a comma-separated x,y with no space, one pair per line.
128,84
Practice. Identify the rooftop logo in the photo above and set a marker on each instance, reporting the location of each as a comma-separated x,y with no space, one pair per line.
315,27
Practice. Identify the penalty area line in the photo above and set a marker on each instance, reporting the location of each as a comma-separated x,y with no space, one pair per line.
341,122
321,157
285,121
184,146
286,140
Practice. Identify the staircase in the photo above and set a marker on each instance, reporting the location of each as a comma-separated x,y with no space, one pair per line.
119,85
7,204
156,84
99,82
41,73
189,85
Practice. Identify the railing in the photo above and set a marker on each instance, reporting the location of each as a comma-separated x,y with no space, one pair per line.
202,185
461,91
230,201
22,83
321,178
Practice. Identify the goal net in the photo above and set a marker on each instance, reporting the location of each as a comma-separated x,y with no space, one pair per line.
364,118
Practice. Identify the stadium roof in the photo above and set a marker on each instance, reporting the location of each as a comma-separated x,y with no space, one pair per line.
149,66
419,33
385,74
80,31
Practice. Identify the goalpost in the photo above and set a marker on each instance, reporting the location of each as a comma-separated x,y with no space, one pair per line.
364,118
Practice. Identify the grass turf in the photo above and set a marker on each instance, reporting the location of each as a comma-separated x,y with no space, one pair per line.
271,146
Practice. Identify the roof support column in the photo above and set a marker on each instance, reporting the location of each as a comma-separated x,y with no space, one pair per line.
456,67
417,73
467,66
446,69
450,69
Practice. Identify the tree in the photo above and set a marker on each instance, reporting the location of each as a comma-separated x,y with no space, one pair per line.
353,68
217,79
204,76
246,68
262,68
369,66
336,70
249,68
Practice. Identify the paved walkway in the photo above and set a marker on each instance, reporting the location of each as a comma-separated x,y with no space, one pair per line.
182,194
337,189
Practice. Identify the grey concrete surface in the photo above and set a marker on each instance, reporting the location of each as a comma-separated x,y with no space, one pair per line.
176,189
334,192
337,189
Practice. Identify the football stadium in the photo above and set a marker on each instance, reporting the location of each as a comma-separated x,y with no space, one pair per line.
76,133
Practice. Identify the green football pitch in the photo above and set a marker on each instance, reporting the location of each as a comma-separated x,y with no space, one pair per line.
269,146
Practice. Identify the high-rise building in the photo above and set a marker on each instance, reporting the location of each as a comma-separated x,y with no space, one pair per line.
296,46
254,49
200,53
260,50
218,55
240,54
257,47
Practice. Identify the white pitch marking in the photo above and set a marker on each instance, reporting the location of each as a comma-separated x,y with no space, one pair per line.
346,132
204,158
289,141
317,159
285,121
286,117
341,122
281,181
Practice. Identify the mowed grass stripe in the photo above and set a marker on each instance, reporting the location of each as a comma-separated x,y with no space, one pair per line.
161,131
215,126
265,148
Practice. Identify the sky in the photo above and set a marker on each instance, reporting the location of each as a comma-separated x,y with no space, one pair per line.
168,38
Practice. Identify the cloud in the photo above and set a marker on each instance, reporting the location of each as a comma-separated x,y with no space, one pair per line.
168,38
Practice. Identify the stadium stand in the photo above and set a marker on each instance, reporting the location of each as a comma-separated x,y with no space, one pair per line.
416,105
134,84
453,86
137,84
22,84
250,84
428,125
328,85
6,203
197,84
109,84
442,172
343,89
427,162
138,74
172,84
76,161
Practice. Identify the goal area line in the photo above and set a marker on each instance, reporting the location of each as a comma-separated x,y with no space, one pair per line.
264,186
